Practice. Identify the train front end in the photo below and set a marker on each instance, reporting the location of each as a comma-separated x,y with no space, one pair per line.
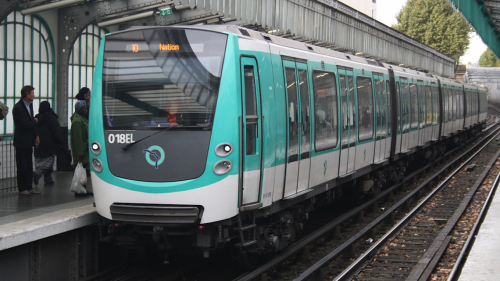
164,129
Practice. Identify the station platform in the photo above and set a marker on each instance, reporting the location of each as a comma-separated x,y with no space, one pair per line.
25,219
482,261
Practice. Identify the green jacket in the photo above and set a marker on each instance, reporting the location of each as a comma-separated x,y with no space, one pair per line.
80,139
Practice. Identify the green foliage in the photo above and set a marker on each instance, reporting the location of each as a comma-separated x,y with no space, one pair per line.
489,59
436,24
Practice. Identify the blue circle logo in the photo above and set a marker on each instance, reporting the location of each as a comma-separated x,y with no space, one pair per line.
154,151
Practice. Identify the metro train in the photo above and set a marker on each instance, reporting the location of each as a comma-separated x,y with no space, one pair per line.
222,136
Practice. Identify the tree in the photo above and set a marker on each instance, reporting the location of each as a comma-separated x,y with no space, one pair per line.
489,59
436,24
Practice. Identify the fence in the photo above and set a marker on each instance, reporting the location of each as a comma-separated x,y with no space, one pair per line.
8,170
8,166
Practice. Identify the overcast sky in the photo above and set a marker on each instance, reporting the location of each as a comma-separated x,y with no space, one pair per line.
387,11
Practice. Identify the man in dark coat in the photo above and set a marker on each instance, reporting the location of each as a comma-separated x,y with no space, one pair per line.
25,138
51,139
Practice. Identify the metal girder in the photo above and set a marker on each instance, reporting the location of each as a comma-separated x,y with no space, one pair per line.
483,16
72,21
326,21
323,22
7,6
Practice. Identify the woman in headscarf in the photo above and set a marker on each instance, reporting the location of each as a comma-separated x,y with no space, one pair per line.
51,139
84,94
80,136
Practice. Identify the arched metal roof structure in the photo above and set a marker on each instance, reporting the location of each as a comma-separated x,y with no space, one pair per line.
325,23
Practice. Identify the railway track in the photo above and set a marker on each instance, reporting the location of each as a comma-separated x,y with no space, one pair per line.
328,253
361,244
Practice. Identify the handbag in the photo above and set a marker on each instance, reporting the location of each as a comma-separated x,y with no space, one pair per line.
79,180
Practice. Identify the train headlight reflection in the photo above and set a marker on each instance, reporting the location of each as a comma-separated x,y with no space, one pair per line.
97,165
222,167
95,147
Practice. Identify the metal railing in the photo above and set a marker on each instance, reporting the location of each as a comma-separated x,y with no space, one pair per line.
8,167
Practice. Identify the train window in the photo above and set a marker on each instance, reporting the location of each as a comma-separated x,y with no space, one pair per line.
379,106
405,102
469,101
461,102
345,119
413,106
365,108
398,106
451,98
250,103
155,88
465,104
478,102
475,104
325,106
449,104
445,104
389,107
293,133
428,99
352,107
455,104
251,109
422,105
435,108
304,113
382,110
469,105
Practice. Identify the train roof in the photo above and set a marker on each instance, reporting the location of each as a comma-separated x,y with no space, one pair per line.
304,46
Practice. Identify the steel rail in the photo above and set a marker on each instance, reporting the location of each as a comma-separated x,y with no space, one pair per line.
310,271
474,231
381,242
330,226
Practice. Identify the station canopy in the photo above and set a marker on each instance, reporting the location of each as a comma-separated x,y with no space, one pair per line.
484,16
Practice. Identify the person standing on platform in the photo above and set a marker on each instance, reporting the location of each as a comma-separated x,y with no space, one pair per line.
80,136
25,138
51,139
84,94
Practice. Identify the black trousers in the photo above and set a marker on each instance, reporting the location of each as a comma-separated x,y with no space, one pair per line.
24,158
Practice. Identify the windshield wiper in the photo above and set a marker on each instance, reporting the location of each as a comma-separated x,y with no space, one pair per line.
125,147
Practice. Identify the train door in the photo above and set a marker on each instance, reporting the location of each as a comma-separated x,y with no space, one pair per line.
348,150
405,115
380,115
298,160
251,133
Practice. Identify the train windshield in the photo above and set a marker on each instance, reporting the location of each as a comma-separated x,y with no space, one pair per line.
158,78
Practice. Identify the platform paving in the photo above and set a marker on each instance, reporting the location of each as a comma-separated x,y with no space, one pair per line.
482,262
24,219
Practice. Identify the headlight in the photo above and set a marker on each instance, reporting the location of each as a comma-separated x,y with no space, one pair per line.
95,147
222,167
223,149
97,165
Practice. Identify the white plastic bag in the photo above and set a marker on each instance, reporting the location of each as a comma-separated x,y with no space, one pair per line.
79,180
